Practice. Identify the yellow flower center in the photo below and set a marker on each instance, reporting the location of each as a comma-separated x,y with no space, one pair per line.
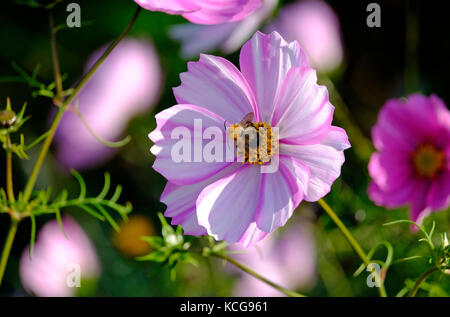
428,160
255,142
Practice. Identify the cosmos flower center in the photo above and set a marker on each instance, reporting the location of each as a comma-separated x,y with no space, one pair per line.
255,142
428,160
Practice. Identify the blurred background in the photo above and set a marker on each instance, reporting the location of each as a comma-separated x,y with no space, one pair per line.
362,67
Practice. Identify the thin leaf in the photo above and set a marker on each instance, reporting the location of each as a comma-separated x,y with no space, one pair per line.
106,187
61,226
110,144
117,194
108,217
80,180
92,212
37,141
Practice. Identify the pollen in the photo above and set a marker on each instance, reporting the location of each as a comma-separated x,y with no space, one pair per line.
255,143
428,160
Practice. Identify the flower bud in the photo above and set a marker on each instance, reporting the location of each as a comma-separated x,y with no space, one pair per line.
7,118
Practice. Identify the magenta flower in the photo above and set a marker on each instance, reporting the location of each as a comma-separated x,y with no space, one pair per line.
234,201
412,162
204,11
56,261
126,84
315,25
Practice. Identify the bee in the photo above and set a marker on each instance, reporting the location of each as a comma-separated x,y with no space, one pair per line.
237,131
247,120
244,123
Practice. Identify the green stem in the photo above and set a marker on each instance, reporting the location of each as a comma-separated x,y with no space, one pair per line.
55,59
355,245
9,178
46,146
7,247
258,276
419,282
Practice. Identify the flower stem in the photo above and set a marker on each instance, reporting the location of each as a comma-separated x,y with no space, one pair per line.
62,108
355,245
256,275
9,178
7,248
55,59
419,282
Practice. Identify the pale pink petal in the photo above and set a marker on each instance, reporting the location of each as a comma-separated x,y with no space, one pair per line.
245,29
228,37
181,201
281,193
196,38
324,161
315,25
183,116
217,85
303,111
221,11
188,220
54,257
250,7
287,258
265,61
252,235
227,207
127,83
170,6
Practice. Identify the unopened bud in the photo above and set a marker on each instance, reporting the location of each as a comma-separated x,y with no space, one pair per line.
7,118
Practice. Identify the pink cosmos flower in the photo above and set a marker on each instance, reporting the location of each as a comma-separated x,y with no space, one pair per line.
288,259
235,201
55,257
126,84
204,11
412,162
229,37
314,24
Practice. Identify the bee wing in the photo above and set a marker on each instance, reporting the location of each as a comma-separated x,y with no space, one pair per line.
248,118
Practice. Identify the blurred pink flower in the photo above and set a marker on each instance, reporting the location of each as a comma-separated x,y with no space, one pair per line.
204,11
233,201
412,162
229,37
126,84
314,24
55,256
288,259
